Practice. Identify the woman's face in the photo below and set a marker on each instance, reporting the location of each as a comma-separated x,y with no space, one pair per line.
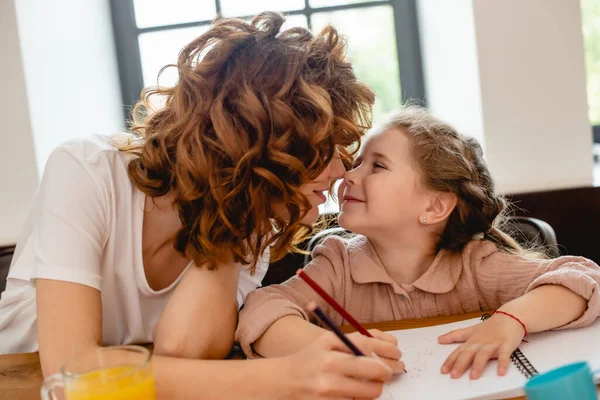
316,191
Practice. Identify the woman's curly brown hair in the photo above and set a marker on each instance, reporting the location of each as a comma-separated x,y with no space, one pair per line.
256,113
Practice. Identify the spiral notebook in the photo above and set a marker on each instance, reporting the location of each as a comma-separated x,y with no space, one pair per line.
545,351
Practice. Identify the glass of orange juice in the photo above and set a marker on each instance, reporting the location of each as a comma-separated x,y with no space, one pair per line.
116,373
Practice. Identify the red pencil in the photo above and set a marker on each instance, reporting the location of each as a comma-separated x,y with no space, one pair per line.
333,303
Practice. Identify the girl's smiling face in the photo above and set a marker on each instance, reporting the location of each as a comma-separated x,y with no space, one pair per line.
383,191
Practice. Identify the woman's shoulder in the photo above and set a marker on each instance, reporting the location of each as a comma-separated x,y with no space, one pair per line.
92,147
96,154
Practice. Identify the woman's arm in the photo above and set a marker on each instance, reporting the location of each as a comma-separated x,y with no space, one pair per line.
202,295
69,324
69,321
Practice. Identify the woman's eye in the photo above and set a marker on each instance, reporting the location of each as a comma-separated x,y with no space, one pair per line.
378,165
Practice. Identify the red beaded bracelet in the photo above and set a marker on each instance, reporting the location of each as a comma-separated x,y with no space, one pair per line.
513,317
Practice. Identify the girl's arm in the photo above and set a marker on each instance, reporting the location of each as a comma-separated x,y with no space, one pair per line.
516,282
275,323
546,307
69,324
291,334
542,294
286,336
274,320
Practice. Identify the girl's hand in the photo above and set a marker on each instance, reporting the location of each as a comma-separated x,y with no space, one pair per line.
497,338
385,346
327,370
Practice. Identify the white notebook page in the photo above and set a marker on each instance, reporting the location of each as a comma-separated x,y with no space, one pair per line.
424,357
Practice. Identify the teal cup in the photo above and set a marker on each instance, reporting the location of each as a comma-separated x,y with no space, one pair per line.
569,382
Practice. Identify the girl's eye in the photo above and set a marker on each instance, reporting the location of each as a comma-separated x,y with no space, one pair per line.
378,165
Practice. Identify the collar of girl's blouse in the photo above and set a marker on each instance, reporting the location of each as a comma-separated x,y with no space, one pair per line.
365,267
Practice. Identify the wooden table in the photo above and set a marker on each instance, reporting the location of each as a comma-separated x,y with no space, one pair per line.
21,376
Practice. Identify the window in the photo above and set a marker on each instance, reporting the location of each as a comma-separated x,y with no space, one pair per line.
383,39
590,10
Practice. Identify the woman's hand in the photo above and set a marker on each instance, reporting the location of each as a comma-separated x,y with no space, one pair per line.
497,338
327,370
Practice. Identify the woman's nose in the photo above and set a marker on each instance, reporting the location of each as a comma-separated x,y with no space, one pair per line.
340,191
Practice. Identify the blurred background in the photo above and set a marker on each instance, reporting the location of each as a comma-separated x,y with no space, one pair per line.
522,76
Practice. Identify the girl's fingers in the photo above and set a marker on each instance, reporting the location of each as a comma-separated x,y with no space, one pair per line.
456,336
485,353
503,360
451,360
384,336
465,359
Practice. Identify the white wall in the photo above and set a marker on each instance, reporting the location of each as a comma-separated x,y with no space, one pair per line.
18,173
60,81
526,88
532,69
70,70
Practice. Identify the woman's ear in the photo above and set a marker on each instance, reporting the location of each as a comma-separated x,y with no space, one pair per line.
440,206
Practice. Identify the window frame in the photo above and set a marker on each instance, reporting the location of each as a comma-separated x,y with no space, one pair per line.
406,26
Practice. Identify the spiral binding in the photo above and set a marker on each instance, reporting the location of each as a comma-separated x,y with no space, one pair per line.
518,358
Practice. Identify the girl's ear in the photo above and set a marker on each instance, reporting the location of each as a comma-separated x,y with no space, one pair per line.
440,206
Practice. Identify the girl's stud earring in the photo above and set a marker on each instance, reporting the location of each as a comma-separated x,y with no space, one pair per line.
424,220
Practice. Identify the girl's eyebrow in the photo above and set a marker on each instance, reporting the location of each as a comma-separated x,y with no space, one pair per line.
382,156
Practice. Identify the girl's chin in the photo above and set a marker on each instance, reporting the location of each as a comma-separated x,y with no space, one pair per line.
347,221
344,220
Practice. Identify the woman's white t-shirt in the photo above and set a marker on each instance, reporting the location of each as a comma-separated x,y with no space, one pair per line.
85,226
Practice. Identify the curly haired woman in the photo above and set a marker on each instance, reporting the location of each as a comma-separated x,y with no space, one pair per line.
158,235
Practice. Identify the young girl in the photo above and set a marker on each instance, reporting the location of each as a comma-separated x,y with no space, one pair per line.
159,237
422,200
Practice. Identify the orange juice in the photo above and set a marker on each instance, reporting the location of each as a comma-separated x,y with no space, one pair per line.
123,382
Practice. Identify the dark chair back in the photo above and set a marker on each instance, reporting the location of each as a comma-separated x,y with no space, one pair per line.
6,254
534,231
